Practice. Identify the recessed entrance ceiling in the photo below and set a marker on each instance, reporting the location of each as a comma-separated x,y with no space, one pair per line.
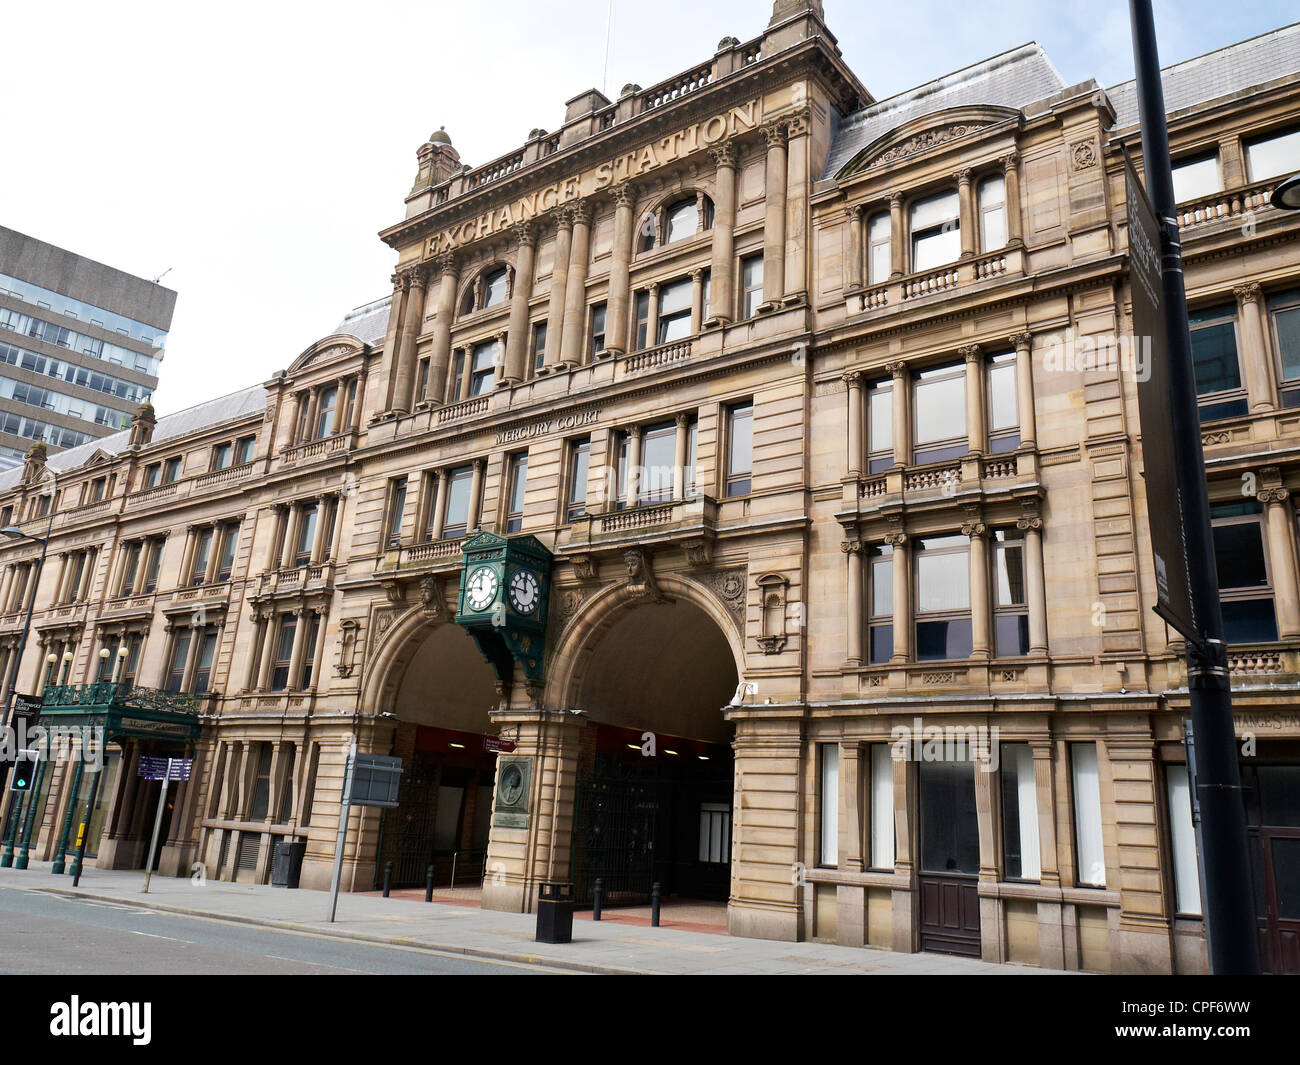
447,683
662,667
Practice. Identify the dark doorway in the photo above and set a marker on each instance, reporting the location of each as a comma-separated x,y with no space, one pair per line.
950,858
644,819
443,813
1272,795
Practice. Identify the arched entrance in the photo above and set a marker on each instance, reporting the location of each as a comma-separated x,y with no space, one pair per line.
654,793
440,691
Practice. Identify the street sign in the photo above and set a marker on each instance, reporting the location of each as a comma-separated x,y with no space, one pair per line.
27,708
372,780
1174,600
498,746
151,768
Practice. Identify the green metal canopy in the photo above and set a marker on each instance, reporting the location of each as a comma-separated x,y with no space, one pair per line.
124,711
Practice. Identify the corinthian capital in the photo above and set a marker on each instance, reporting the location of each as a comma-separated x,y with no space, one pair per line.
1247,293
774,134
724,154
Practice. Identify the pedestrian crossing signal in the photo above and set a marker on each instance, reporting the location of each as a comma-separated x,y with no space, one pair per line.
23,776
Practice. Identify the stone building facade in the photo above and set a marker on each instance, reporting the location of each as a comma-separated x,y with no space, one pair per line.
756,464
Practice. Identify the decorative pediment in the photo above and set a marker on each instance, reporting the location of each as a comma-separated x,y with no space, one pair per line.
99,457
338,346
926,133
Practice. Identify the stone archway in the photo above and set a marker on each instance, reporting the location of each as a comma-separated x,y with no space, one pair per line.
430,677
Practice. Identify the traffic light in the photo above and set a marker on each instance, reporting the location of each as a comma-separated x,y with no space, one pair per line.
23,775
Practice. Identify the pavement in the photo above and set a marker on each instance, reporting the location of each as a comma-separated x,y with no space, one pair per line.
605,947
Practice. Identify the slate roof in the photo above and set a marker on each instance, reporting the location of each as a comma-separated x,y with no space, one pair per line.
369,322
1016,78
1215,75
213,412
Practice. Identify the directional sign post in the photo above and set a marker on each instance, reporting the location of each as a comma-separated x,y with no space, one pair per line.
165,770
371,780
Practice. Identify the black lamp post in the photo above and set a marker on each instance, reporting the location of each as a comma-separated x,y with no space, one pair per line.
1286,197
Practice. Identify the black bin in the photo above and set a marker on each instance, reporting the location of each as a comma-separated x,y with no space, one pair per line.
554,913
286,863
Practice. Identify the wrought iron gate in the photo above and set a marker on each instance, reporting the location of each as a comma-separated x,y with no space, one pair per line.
620,811
417,809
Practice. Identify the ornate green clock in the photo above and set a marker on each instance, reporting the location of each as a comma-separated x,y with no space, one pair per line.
504,591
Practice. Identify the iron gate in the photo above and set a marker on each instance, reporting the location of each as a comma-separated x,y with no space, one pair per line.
417,807
620,811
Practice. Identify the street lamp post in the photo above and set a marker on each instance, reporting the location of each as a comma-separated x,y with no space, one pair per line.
1232,938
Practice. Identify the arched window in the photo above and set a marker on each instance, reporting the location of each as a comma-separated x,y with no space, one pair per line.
490,289
676,220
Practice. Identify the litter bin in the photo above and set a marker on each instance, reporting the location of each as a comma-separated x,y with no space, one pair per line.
286,863
554,913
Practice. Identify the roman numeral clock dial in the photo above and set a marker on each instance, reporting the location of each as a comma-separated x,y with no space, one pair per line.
525,592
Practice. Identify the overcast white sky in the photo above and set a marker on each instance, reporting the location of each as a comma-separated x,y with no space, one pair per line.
255,149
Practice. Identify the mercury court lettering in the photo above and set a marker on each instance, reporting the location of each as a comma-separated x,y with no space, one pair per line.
656,154
572,420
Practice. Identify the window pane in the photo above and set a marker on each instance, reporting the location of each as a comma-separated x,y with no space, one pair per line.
882,583
1019,813
1196,178
1239,555
942,640
1009,564
740,448
1274,157
830,804
494,288
940,407
1187,881
683,220
518,480
1249,621
949,823
882,806
1002,393
578,467
880,404
935,210
1286,324
658,452
1087,815
456,515
942,580
1214,353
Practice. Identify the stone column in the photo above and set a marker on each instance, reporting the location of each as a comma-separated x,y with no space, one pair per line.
796,207
404,377
1025,388
1254,355
192,658
980,614
475,496
966,215
396,312
620,266
440,357
440,494
292,522
313,408
575,298
722,276
1286,591
697,300
295,405
214,555
853,275
299,647
279,535
899,399
853,379
559,289
1015,224
854,550
318,540
774,216
87,574
897,243
517,339
680,447
7,588
975,432
268,650
652,316
1031,524
633,466
902,619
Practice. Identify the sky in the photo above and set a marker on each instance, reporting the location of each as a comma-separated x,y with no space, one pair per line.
254,150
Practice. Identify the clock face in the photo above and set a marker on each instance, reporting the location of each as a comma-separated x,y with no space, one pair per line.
525,591
482,588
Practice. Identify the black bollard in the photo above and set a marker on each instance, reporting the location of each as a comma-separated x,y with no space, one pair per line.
595,901
428,885
654,904
388,877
